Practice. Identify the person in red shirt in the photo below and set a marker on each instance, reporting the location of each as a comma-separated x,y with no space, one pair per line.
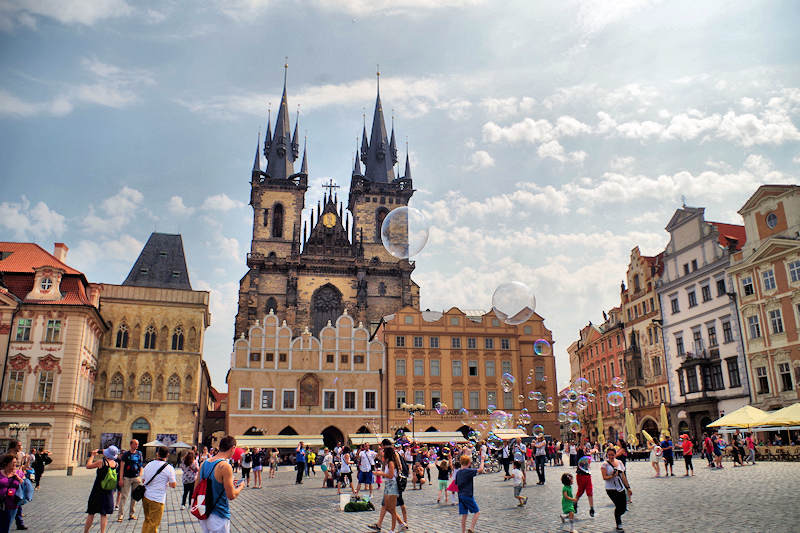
709,448
688,450
751,448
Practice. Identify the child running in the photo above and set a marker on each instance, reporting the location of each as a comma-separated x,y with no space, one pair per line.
518,474
567,501
444,469
466,499
584,476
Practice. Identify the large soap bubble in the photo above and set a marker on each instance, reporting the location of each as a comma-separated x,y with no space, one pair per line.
542,347
615,398
581,385
513,302
507,382
404,232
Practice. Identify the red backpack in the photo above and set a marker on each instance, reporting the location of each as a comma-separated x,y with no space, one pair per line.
202,502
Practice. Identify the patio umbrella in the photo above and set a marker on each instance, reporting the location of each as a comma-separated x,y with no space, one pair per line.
664,421
630,428
601,438
181,444
153,444
788,416
647,436
744,417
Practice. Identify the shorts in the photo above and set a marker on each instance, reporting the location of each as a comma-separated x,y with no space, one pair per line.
257,468
215,524
390,488
443,483
718,453
517,490
584,485
365,477
668,460
245,472
466,505
324,468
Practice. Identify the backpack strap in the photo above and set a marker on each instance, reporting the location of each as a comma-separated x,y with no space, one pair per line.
157,473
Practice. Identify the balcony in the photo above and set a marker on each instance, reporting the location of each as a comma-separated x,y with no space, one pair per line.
632,352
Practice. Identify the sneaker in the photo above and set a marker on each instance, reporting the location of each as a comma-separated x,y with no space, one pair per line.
183,507
591,511
403,527
525,501
375,527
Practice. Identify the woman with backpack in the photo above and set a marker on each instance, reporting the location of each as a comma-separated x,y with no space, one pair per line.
190,469
101,499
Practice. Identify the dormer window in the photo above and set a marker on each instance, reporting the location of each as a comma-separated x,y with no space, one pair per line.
162,254
144,271
175,273
45,284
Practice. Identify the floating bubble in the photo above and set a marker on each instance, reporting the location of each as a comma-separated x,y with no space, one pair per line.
525,418
404,232
544,378
562,417
572,416
617,382
507,382
494,442
572,395
590,396
529,379
538,429
538,395
563,404
532,395
440,407
585,462
575,426
513,302
520,398
581,385
541,405
549,407
615,398
490,408
541,347
483,426
500,419
582,402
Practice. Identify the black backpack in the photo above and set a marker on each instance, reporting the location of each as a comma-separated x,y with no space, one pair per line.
402,476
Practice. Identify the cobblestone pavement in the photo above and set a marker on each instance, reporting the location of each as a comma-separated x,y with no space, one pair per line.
761,498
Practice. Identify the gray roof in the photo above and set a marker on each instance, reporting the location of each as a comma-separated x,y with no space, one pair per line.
281,148
160,264
381,155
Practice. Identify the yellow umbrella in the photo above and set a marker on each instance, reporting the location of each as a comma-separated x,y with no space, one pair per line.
788,416
630,428
601,438
744,417
647,436
664,421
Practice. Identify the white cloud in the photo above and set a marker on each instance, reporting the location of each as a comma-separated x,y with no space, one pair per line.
595,15
534,131
479,160
177,207
221,202
796,159
622,163
500,108
28,222
93,254
554,150
244,10
88,13
118,210
748,129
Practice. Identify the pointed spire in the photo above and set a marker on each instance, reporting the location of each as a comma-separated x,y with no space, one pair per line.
268,136
257,161
408,167
304,164
393,144
357,166
364,142
295,142
280,157
379,158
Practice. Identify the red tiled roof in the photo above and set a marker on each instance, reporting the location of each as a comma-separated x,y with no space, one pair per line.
731,232
656,261
72,289
26,256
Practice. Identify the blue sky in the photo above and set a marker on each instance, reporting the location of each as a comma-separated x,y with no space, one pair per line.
546,140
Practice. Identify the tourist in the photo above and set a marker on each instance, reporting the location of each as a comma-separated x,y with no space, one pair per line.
15,448
518,473
247,465
273,462
688,451
327,467
366,464
529,463
584,477
466,499
190,469
519,451
551,452
613,472
204,455
540,456
101,501
751,448
718,445
391,492
708,448
219,472
505,460
132,463
300,463
40,460
10,481
573,454
346,470
567,500
157,474
666,453
310,458
655,456
419,475
258,461
443,477
622,450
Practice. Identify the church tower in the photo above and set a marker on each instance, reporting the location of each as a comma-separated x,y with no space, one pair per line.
310,272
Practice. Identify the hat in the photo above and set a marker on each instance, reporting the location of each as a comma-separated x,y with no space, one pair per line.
111,452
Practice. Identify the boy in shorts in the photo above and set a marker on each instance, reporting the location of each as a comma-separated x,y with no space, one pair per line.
518,474
466,500
584,477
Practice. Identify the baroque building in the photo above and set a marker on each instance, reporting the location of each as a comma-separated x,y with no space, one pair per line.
705,358
152,381
50,328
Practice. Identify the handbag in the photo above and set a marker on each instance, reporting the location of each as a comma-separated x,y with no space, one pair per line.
138,493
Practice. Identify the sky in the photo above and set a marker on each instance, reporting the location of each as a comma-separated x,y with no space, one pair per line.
546,139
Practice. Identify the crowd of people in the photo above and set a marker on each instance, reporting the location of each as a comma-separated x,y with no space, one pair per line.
20,476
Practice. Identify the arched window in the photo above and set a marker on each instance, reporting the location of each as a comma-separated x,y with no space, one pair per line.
277,221
174,388
326,305
116,386
146,387
272,303
266,217
380,214
636,286
150,338
122,336
177,339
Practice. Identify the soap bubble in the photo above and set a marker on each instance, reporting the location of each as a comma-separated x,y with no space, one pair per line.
575,426
585,462
507,382
549,407
538,429
537,395
572,416
513,302
617,382
581,385
491,407
494,442
525,419
615,398
441,408
500,419
572,395
404,232
474,436
590,396
562,417
520,398
529,379
582,402
563,404
483,425
532,395
541,347
541,405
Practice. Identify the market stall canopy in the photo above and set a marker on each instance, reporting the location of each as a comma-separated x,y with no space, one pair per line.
153,444
508,434
426,437
788,416
180,444
744,417
357,439
278,441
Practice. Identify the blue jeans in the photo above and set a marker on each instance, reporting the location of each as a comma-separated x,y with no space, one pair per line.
6,519
540,459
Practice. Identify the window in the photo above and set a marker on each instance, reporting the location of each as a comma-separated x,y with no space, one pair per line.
458,399
24,329
656,362
419,367
681,384
46,283
776,321
122,336
370,400
527,330
268,398
539,373
675,307
350,400
417,342
692,298
255,357
288,399
679,346
786,376
706,292
329,358
694,265
727,331
150,338
358,359
508,400
456,368
434,342
649,336
685,268
453,320
618,339
636,286
506,366
712,336
720,287
266,217
753,325
177,339
733,373
245,398
400,398
768,276
772,220
473,368
455,342
400,341
272,305
277,221
488,343
53,331
409,319
747,285
344,358
400,367
474,399
435,367
281,357
794,271
716,377
145,387
697,336
489,369
174,388
436,397
612,368
115,388
505,344
491,398
16,380
763,381
472,343
691,379
652,305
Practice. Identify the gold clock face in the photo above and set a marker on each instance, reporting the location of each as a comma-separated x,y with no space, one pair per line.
328,220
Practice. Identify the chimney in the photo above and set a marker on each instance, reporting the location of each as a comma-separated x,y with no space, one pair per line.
60,251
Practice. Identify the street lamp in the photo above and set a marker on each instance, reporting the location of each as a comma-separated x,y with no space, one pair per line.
412,409
17,427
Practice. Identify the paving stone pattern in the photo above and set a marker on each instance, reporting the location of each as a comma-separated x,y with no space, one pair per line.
761,498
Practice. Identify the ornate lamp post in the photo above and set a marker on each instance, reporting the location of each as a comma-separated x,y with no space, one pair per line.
412,409
17,427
